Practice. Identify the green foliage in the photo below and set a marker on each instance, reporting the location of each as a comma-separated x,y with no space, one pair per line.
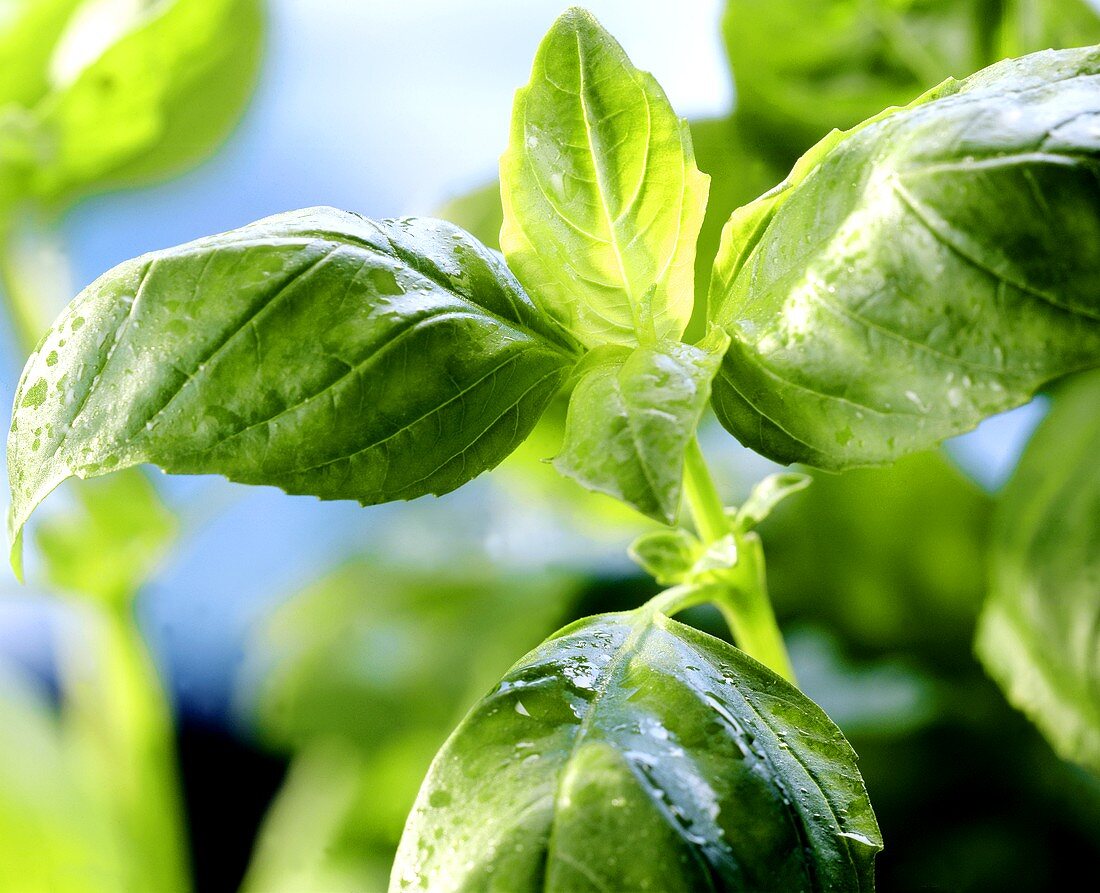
932,267
803,67
1039,635
892,559
602,199
105,92
631,419
318,351
87,797
371,667
109,545
631,752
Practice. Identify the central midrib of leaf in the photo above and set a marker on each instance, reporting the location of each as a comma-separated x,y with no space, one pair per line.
599,157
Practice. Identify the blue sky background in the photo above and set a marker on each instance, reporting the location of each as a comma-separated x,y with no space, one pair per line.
383,108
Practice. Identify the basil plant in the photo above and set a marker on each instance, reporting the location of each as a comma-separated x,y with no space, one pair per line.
927,268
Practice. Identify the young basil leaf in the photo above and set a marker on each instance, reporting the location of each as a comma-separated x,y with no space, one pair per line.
767,495
666,555
317,351
934,266
109,544
138,89
630,752
803,67
1039,633
602,199
29,29
631,420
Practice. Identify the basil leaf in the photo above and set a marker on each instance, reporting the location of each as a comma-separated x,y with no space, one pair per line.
1039,633
630,752
317,351
803,67
932,267
602,199
766,495
630,422
135,90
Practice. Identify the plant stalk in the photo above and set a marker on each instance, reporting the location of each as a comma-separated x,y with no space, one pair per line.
743,594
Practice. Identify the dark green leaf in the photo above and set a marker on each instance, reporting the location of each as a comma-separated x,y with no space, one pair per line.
631,420
932,267
602,199
630,752
803,67
1039,634
316,351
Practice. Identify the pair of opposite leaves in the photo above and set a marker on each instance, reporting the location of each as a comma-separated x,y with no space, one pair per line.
349,359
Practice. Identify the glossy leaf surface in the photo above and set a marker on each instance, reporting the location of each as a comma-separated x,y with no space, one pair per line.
316,351
631,752
602,199
1039,634
803,67
936,265
631,419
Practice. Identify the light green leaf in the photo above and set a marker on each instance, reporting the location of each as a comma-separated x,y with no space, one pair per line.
1039,634
767,495
631,420
630,752
803,67
602,199
29,29
110,541
666,555
316,351
932,267
131,89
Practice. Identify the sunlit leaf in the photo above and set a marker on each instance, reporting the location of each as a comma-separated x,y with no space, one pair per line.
602,199
803,67
139,89
317,351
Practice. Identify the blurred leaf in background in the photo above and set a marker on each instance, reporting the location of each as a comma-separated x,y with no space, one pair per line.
370,668
129,90
1040,629
803,68
87,793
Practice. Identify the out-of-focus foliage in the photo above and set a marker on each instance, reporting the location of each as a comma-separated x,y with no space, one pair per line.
316,351
87,794
804,67
101,93
1040,629
371,668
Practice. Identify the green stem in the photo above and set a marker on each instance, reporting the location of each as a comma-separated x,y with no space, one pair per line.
743,596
